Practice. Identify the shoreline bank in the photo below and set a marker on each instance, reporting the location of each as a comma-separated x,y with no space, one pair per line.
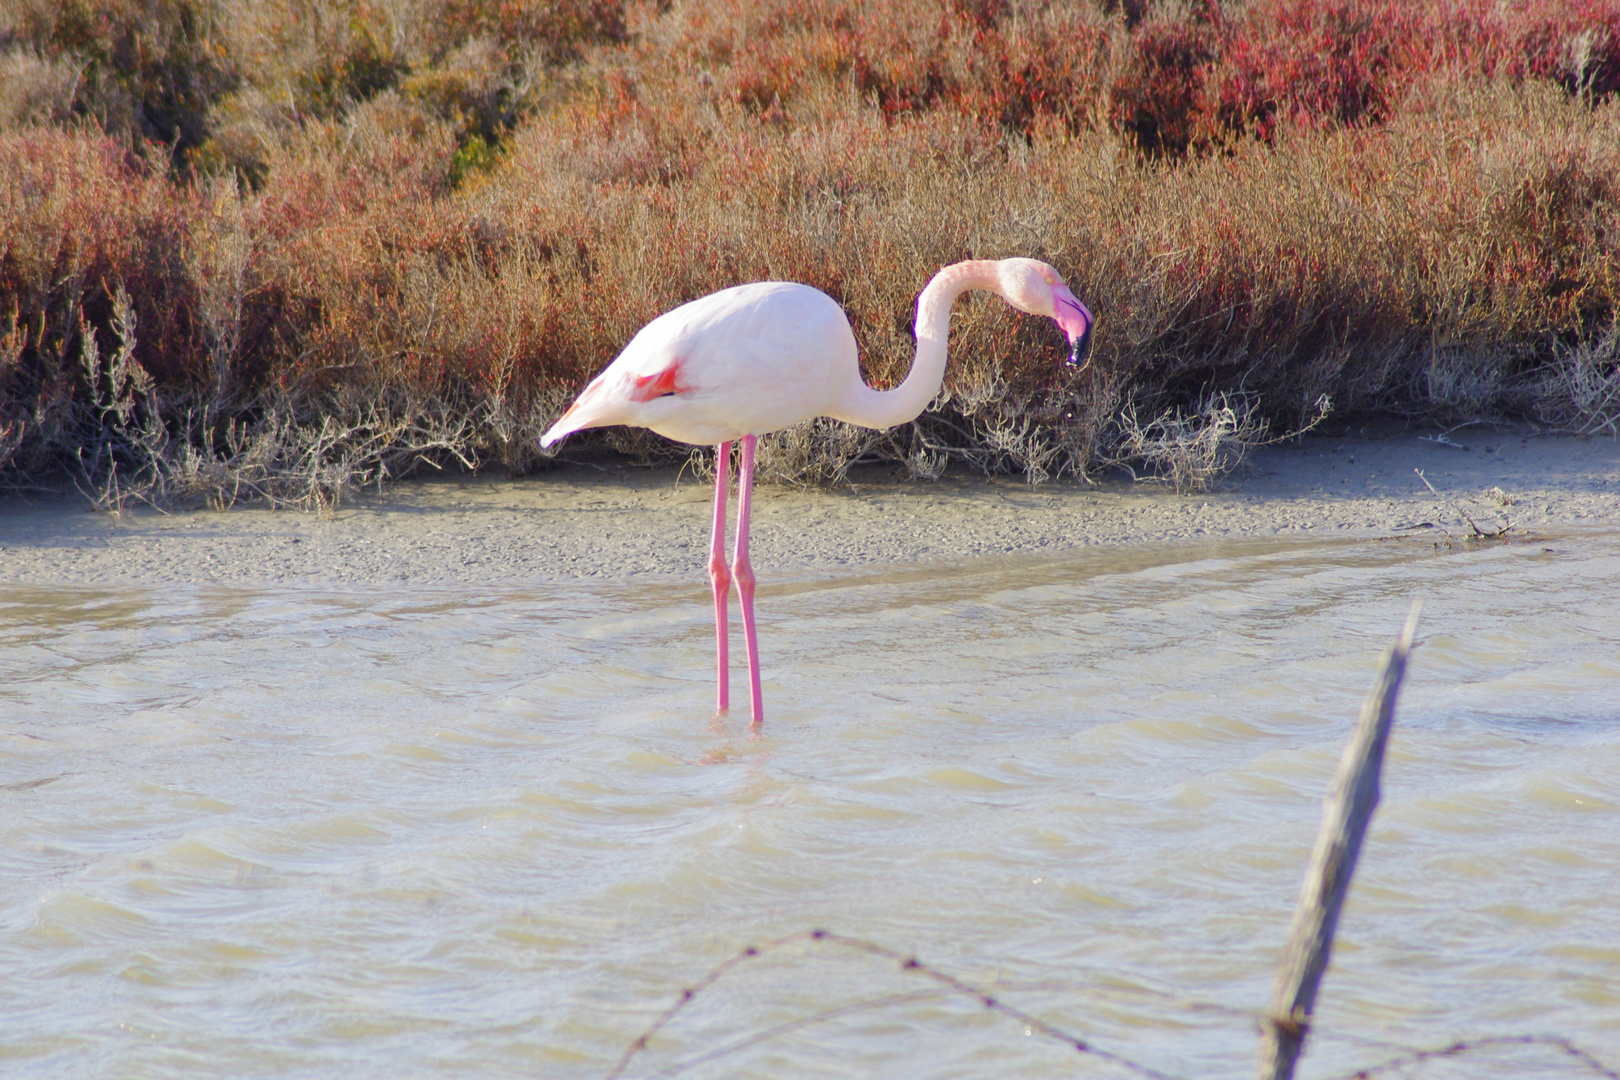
595,520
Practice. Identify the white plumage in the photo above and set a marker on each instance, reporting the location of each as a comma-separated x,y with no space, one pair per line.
748,360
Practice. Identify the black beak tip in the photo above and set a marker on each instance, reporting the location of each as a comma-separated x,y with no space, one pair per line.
1081,349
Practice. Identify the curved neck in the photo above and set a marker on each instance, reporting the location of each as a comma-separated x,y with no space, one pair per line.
886,408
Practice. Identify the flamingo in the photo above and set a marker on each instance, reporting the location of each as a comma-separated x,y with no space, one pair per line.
752,359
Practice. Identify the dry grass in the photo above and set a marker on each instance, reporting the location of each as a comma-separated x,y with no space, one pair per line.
1191,451
125,452
374,235
1580,390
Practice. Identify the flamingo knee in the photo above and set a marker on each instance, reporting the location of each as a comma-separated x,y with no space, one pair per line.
721,578
720,575
743,575
742,572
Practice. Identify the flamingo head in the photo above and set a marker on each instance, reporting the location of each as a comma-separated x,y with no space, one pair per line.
1034,287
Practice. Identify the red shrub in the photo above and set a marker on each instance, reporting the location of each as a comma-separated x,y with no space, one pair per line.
1194,83
1159,99
1575,43
80,216
1315,63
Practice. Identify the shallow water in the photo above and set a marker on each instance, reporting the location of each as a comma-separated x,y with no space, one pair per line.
493,833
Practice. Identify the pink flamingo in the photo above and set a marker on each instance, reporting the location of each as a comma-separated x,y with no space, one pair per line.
757,358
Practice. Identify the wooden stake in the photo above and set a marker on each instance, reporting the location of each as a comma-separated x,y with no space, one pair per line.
1345,814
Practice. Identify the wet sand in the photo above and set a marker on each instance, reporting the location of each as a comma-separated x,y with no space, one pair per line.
605,518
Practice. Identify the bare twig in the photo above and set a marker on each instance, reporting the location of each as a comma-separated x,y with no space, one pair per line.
1503,498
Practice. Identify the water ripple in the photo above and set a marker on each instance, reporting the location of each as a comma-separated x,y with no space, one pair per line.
485,832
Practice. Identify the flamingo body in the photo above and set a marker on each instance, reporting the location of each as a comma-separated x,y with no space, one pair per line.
743,361
756,358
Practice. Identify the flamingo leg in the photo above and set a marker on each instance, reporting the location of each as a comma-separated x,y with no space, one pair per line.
720,576
743,573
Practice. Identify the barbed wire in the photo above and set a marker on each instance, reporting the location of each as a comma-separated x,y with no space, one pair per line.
951,986
1462,1046
726,1049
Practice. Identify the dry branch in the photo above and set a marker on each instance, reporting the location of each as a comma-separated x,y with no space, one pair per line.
1345,816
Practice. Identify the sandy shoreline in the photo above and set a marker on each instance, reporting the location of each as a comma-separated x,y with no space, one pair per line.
594,520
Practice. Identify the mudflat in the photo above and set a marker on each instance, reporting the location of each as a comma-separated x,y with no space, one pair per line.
593,518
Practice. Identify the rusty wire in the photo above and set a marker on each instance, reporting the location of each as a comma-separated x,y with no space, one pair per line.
951,986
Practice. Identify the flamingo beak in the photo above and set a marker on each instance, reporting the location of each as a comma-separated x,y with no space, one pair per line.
1075,320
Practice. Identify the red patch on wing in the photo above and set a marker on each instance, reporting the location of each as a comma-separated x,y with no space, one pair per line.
647,387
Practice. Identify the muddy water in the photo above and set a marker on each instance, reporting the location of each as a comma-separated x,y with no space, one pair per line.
493,833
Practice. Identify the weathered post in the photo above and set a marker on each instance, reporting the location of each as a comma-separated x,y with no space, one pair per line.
1345,814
